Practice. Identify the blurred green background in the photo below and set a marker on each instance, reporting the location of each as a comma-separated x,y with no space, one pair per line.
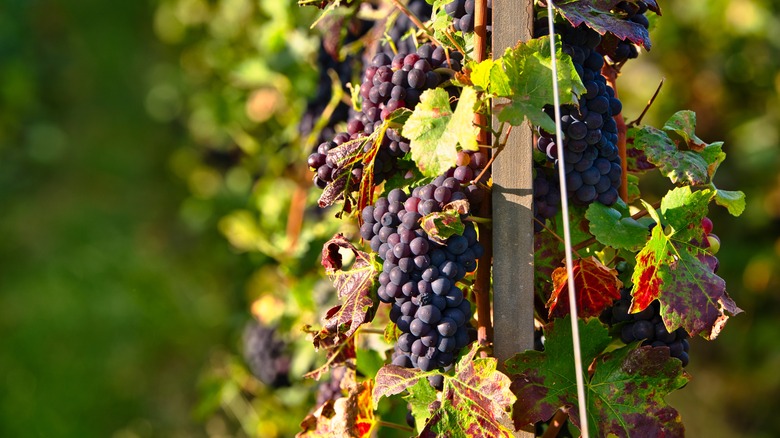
144,146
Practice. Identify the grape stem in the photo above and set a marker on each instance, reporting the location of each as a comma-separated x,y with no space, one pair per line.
649,104
480,220
559,238
394,426
498,148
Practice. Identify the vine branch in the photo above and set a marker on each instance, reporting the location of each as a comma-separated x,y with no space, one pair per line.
649,104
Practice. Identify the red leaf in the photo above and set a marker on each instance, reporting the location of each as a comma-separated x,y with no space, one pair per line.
596,287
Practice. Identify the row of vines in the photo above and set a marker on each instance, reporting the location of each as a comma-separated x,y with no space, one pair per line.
386,183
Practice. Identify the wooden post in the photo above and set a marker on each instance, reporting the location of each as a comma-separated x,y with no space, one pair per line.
513,228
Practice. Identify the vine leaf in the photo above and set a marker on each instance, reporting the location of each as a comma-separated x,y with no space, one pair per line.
420,398
346,155
614,227
596,287
351,416
353,287
597,15
734,201
523,76
672,269
684,124
625,388
441,225
688,161
435,131
474,401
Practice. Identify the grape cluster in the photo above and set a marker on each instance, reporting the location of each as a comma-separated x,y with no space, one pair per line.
547,196
400,30
590,158
266,355
462,13
419,274
624,49
646,326
388,84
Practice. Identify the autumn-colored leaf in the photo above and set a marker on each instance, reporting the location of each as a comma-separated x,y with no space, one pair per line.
673,270
625,388
354,292
442,225
353,287
346,156
597,15
474,401
596,287
349,417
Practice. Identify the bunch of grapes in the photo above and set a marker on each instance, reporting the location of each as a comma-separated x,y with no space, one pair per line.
646,326
462,13
266,355
419,273
547,196
400,30
590,158
388,84
624,49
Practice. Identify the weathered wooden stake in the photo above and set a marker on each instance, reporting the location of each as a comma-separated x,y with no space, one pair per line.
513,229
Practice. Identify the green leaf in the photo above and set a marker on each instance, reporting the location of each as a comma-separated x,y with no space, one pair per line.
528,78
684,124
625,388
489,75
684,210
734,201
615,229
435,130
420,398
442,225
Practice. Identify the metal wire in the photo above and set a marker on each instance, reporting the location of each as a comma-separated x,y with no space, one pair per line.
575,330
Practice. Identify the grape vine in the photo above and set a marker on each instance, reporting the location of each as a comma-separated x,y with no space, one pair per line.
408,169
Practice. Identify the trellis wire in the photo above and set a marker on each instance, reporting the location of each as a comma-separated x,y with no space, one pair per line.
575,330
